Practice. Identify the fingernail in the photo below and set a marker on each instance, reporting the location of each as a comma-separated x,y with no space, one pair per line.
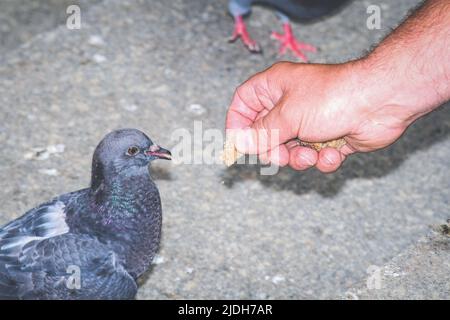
307,161
328,160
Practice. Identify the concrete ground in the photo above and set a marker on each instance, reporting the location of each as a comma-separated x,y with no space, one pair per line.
420,272
21,20
227,233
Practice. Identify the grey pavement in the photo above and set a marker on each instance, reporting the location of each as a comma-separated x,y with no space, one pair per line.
21,20
420,272
227,233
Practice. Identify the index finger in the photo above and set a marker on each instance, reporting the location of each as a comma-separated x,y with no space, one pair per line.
245,107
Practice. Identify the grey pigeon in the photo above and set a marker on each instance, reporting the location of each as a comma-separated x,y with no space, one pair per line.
93,243
298,10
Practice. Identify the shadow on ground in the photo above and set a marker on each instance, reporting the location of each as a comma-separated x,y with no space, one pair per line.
420,136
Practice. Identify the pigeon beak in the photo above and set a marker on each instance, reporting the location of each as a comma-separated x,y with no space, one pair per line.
158,152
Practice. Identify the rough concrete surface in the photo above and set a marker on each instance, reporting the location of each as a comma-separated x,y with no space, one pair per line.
227,233
421,272
21,20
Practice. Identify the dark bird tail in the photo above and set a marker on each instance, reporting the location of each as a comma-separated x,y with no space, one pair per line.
305,10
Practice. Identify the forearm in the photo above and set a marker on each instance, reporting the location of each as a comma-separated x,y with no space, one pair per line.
410,69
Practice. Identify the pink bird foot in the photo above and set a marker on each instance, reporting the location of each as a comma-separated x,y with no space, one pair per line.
240,31
288,41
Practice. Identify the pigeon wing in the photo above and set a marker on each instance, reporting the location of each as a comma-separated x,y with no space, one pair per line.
72,266
39,259
40,223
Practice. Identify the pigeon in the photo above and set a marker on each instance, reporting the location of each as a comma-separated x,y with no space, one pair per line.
299,10
93,243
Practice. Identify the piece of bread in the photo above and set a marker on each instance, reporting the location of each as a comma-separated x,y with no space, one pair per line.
337,144
230,153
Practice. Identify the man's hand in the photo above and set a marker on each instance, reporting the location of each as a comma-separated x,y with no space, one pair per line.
314,103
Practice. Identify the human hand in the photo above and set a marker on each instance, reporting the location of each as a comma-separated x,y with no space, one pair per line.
314,103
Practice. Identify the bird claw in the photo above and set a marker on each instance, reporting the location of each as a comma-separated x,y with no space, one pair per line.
240,31
288,41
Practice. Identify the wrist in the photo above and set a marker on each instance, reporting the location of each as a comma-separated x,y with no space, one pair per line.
397,84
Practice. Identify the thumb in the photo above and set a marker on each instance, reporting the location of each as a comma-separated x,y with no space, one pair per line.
266,133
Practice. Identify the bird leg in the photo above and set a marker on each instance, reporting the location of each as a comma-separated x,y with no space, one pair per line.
288,41
240,31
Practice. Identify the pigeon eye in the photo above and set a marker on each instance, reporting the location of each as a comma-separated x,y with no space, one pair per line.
132,151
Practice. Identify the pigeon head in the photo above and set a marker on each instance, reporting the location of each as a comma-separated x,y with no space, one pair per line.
123,153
